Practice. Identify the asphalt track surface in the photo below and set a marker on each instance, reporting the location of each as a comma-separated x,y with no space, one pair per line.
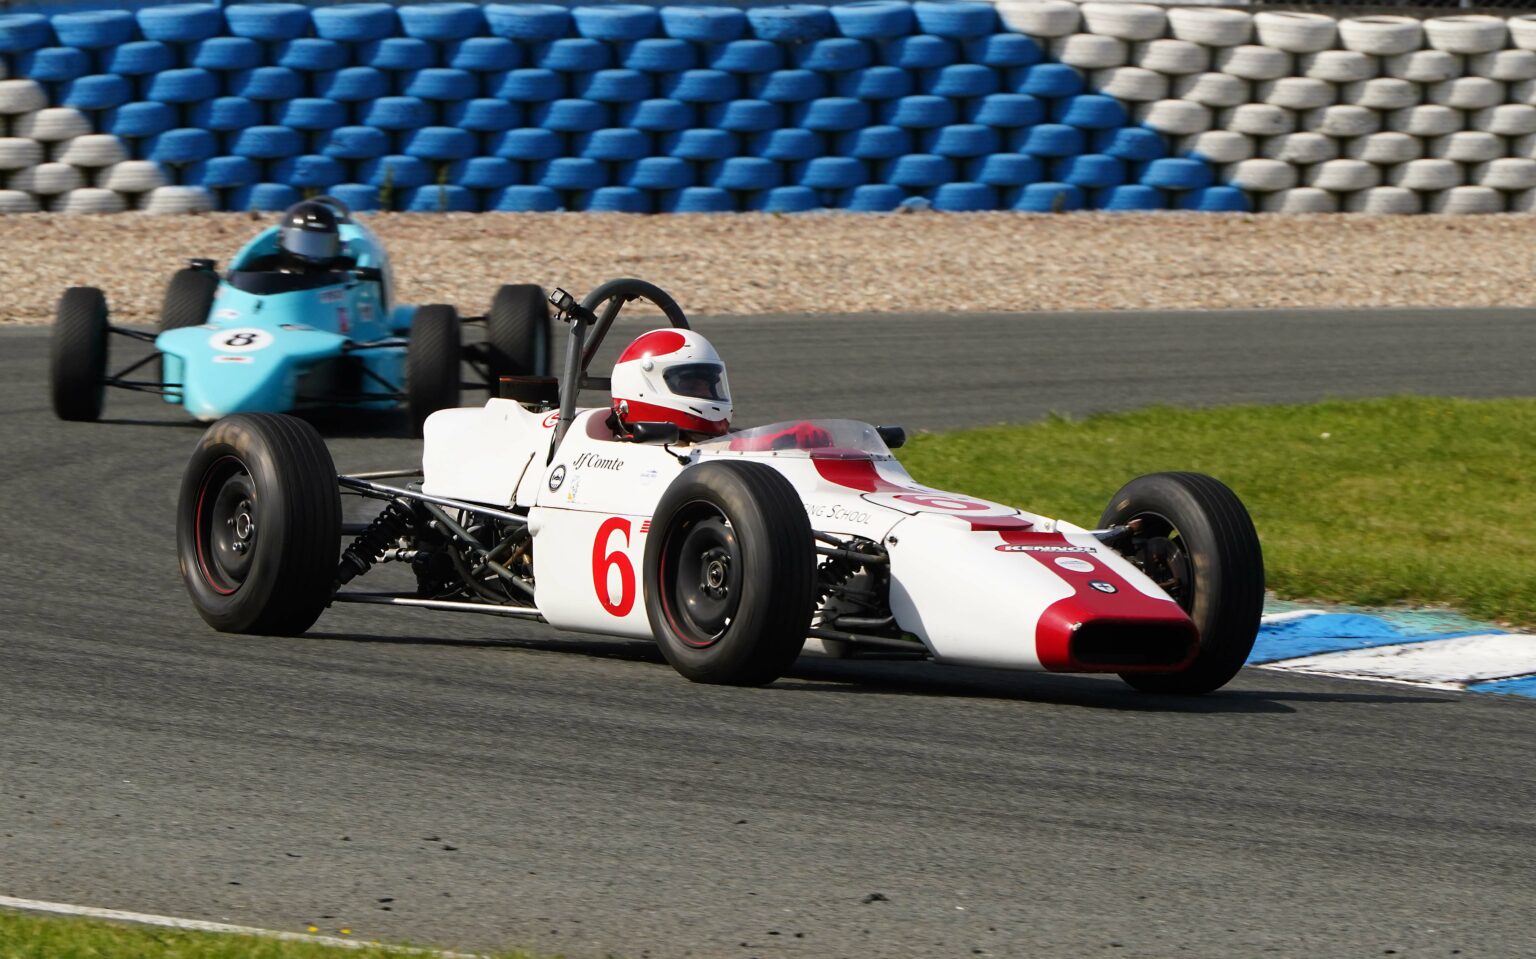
471,782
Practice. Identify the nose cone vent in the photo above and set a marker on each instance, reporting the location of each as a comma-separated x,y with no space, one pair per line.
1131,645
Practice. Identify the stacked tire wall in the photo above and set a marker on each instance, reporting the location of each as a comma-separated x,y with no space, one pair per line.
1034,105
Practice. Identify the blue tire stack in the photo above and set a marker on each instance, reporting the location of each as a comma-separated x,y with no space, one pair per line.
456,106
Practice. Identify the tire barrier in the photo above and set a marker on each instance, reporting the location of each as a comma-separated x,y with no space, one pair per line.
952,105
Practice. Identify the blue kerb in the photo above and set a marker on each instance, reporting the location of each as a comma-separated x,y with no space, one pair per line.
1521,686
961,95
1336,632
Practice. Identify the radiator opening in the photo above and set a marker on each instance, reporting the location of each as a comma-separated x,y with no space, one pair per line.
1129,643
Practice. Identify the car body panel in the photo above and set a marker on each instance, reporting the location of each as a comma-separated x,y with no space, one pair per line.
976,582
275,351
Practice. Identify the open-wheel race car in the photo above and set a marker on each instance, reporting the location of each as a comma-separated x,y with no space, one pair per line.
304,318
649,519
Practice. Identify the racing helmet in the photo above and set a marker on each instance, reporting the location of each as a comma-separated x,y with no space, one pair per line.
310,233
672,376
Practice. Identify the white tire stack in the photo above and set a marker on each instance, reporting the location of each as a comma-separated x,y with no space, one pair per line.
17,201
47,179
1382,93
1296,93
1466,200
18,153
1424,66
92,151
1384,201
1381,36
1301,149
1261,175
1342,176
173,200
1506,173
1131,84
1305,199
1384,149
132,176
21,96
1253,62
1342,120
1296,32
1172,57
1088,51
1175,117
1427,175
1040,18
1126,21
1338,66
1469,33
1257,120
1218,146
1213,89
90,200
51,124
1209,26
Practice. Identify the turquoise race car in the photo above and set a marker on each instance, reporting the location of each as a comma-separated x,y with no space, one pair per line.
305,318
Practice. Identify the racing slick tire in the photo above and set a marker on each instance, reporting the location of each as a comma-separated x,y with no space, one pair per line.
1197,540
432,363
258,525
517,333
188,298
77,360
729,574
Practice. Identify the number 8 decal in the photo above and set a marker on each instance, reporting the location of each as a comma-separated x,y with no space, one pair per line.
602,562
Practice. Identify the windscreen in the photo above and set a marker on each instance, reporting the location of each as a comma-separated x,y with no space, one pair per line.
806,437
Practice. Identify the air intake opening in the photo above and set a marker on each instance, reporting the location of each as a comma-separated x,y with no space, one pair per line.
1131,644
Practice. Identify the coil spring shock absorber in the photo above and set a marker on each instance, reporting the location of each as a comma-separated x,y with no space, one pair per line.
393,522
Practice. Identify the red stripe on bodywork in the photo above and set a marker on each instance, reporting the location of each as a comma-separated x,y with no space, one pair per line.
859,474
1127,606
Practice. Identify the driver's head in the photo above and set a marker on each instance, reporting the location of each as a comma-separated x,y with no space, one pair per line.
310,234
673,376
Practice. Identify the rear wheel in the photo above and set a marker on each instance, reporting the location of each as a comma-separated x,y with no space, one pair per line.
729,574
432,363
188,299
517,333
258,525
77,361
1195,539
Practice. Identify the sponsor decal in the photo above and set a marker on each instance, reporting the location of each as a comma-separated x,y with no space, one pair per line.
226,314
649,476
836,513
343,320
1031,548
1102,586
245,340
332,296
550,420
365,312
231,358
556,477
297,328
596,462
1074,564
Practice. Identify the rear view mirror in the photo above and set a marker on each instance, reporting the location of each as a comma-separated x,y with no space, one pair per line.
894,437
663,433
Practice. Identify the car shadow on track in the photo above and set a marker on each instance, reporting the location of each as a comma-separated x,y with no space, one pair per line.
912,677
916,678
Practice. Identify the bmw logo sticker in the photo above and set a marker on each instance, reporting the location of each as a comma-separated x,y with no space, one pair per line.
1102,586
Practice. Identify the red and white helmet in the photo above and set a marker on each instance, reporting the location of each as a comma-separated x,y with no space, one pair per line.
673,376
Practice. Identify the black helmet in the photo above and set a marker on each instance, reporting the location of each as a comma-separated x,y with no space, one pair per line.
310,233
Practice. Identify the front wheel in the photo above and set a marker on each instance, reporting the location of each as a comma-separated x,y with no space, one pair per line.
432,378
258,525
729,574
77,357
1195,539
188,299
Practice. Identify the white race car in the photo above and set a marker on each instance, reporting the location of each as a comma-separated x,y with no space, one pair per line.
728,551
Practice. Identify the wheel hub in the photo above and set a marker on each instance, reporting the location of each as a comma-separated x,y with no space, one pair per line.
706,589
232,528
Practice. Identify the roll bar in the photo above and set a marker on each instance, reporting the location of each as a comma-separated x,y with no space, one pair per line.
589,328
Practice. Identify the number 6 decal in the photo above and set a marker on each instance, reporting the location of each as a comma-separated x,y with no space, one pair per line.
602,562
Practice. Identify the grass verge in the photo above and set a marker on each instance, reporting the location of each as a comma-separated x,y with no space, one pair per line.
30,936
1408,500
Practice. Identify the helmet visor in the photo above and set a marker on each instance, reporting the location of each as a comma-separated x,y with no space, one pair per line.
701,381
317,246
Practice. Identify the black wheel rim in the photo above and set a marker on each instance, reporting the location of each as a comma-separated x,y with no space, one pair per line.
227,525
702,569
1161,553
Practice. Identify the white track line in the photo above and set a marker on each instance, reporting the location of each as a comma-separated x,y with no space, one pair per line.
199,925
